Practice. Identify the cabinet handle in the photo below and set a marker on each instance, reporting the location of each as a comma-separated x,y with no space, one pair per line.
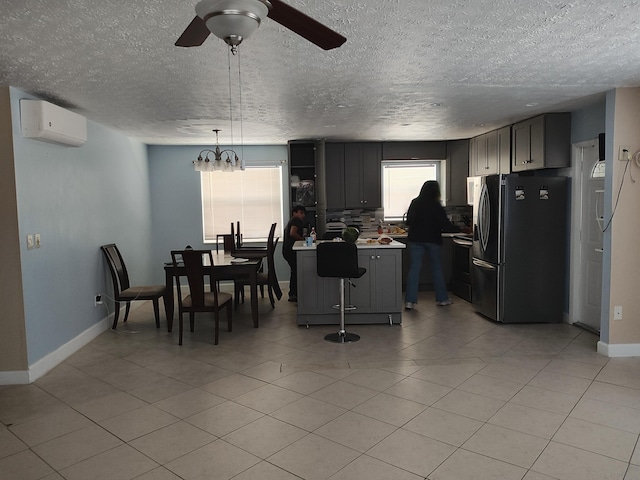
378,256
373,257
365,201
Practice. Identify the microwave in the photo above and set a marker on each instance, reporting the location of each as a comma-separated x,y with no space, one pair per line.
473,184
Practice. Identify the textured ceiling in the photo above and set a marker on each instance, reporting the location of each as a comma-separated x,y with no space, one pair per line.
410,70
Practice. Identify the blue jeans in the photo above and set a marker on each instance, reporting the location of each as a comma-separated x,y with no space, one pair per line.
416,252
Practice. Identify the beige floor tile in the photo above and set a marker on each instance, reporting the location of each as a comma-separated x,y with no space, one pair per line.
216,460
596,438
42,429
76,446
265,471
608,414
623,396
556,402
407,450
570,463
53,476
224,418
633,473
513,373
420,391
356,431
507,445
450,375
308,413
304,382
375,379
464,465
560,383
171,442
158,389
159,473
233,386
268,399
267,372
444,426
137,423
469,405
635,458
24,465
390,409
110,406
265,436
528,420
189,403
313,457
10,444
491,387
531,475
369,468
575,369
619,372
120,463
344,394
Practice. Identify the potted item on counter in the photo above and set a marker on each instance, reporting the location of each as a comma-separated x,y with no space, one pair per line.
350,234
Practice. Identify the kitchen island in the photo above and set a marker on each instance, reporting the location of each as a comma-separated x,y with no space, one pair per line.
377,295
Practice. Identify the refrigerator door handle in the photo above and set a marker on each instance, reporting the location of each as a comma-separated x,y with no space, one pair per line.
485,265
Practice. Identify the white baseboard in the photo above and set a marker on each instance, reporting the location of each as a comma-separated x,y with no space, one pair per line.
14,378
619,349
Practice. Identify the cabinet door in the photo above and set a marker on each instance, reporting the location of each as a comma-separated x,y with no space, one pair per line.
310,286
388,280
504,150
492,153
352,175
473,157
362,293
370,168
536,138
334,175
521,146
481,165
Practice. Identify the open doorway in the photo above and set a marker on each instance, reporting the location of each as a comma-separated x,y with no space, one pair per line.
587,236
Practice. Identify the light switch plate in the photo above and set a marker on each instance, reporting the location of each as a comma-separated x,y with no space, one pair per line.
617,312
37,240
29,242
624,153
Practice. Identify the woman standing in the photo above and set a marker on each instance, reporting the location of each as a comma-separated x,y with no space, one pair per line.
427,219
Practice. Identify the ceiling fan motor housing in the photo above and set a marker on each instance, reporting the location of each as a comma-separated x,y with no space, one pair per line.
232,20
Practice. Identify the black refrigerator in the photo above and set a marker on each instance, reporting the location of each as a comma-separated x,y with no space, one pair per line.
519,248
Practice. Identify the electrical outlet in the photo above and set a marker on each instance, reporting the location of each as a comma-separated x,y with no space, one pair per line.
617,312
29,242
37,239
624,153
97,300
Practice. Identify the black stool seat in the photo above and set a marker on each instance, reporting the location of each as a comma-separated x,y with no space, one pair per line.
339,260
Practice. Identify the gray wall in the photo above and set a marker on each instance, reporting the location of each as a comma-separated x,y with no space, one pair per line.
77,198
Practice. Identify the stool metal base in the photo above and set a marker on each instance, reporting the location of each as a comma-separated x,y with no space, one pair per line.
342,337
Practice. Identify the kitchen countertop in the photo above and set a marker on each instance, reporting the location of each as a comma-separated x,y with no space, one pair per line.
361,244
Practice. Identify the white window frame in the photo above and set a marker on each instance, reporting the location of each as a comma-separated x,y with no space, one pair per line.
225,227
441,173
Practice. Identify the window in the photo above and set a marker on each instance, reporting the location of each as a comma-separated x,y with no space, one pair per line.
253,197
402,181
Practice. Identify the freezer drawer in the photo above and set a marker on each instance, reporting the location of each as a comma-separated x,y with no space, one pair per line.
485,288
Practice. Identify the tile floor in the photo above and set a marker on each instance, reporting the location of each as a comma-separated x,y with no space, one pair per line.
446,396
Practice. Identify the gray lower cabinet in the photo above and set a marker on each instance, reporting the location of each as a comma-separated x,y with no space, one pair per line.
377,295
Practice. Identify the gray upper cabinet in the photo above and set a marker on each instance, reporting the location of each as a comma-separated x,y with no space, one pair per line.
542,142
334,175
458,171
362,164
491,153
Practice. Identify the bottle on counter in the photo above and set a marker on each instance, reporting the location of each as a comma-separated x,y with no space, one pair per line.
313,234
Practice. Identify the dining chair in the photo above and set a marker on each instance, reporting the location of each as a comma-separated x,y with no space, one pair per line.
122,289
199,300
255,252
268,279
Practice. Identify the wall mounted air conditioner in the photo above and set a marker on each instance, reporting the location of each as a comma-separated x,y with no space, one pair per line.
45,121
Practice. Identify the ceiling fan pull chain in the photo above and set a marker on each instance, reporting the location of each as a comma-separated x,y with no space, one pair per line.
230,106
242,164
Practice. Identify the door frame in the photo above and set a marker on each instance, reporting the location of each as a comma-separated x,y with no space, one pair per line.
576,226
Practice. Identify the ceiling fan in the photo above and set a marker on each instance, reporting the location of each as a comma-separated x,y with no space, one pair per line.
234,20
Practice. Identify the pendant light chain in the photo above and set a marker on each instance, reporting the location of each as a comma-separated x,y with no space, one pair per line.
241,130
230,106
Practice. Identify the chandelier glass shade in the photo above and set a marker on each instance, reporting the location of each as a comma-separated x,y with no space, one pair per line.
225,160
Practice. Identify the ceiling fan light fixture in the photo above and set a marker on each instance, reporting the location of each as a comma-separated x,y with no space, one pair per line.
232,20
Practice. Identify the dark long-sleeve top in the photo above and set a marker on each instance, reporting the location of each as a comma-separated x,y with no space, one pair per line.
427,220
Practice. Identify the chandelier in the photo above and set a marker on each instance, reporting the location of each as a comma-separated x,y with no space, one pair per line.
216,162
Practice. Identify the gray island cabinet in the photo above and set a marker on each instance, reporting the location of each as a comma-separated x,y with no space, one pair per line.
377,295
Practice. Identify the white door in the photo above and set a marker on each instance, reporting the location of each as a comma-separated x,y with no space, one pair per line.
592,223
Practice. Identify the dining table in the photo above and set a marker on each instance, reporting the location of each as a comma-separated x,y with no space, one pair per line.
225,267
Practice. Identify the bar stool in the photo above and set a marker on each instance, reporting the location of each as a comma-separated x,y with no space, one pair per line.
339,260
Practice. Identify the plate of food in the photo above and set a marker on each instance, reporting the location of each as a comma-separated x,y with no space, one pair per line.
384,240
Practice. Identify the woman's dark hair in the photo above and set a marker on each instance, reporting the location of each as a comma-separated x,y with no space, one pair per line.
430,191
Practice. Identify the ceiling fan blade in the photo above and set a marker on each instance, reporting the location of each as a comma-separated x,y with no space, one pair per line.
195,34
305,26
